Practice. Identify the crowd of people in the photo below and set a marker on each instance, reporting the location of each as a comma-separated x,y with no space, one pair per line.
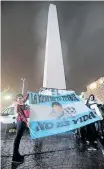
89,134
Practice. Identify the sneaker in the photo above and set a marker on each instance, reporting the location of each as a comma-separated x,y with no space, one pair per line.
18,158
92,148
87,142
10,130
13,130
96,145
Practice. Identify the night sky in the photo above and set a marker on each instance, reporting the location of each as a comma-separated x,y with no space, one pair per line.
23,36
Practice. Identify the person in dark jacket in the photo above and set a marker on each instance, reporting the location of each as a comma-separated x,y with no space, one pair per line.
22,124
91,133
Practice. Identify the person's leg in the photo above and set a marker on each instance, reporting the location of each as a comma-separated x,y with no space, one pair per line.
83,134
91,133
20,130
92,137
102,126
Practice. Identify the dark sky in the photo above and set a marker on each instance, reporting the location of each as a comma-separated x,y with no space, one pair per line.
23,36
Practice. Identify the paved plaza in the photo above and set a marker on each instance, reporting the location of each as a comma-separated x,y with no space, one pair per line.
55,152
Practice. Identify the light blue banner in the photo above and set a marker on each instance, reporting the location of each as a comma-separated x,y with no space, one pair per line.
51,127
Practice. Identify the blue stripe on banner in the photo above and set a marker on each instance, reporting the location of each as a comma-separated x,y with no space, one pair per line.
51,127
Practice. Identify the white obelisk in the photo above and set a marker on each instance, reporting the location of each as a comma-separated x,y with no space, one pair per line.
54,76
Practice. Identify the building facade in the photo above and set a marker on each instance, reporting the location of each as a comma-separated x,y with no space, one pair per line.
96,88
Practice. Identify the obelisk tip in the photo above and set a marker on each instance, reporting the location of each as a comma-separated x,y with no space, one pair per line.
52,5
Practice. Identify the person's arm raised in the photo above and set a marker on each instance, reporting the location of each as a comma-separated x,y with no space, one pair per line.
26,97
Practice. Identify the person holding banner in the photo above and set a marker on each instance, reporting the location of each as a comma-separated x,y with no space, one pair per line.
101,108
91,128
93,104
96,105
22,124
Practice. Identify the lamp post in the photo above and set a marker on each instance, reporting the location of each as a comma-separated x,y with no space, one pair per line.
23,85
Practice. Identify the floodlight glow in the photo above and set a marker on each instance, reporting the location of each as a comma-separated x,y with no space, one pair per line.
93,86
8,97
101,81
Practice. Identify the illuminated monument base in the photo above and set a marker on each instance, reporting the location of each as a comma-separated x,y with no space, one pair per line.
54,76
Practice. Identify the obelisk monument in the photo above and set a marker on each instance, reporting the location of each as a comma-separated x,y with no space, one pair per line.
54,76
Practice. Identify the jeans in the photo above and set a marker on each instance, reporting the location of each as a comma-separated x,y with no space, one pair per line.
91,134
83,133
21,126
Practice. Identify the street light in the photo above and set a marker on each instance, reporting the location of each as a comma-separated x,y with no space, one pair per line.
23,85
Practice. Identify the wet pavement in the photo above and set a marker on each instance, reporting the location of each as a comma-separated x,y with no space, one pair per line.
55,152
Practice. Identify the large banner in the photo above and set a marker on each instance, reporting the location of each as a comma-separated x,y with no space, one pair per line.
50,115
